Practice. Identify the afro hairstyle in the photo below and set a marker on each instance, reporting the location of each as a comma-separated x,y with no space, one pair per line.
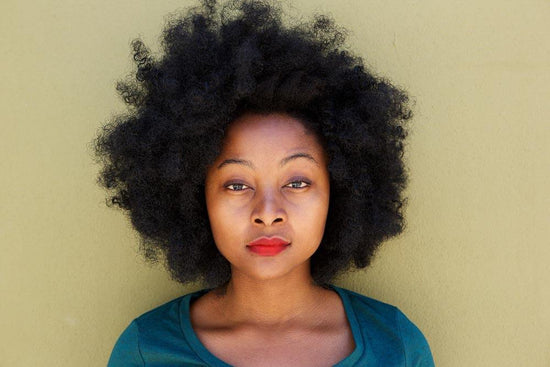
218,62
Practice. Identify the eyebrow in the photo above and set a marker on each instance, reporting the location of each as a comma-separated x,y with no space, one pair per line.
283,161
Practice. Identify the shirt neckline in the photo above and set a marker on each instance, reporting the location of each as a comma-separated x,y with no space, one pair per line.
210,359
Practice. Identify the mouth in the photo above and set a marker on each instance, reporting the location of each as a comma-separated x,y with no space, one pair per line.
268,246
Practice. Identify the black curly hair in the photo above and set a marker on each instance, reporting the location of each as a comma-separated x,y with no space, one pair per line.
220,61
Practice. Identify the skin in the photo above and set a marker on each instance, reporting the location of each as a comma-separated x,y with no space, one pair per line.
271,179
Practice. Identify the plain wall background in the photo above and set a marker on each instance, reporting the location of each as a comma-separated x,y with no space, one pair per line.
472,268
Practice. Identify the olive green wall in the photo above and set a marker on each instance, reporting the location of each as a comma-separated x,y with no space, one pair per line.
472,268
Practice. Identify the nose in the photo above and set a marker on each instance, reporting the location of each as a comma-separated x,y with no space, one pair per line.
268,208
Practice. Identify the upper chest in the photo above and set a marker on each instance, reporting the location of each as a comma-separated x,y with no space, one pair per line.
321,336
295,346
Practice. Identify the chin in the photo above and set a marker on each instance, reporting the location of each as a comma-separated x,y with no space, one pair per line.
274,271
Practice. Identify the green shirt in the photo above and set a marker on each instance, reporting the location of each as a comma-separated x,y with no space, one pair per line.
164,337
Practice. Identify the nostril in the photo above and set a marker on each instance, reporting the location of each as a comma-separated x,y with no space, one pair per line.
260,221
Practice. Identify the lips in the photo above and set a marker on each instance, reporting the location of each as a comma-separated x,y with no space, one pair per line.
268,246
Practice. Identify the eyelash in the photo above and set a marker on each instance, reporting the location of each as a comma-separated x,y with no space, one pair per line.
302,185
300,182
235,184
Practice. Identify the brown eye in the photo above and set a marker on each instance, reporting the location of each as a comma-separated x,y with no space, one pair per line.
299,184
236,187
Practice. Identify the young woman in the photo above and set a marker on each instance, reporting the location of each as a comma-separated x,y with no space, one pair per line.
263,160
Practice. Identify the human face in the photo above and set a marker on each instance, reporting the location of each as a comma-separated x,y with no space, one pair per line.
269,182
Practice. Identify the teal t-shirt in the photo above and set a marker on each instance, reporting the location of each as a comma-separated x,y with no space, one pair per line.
164,337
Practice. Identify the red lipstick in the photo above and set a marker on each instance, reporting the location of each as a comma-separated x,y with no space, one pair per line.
268,246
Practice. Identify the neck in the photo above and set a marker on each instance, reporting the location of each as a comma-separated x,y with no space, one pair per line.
270,302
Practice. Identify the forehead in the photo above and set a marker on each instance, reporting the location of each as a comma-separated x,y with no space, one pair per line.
258,132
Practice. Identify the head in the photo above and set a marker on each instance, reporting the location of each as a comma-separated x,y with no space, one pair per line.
231,72
269,181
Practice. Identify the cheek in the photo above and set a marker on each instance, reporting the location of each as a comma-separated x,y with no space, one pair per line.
320,217
215,212
225,222
322,210
219,227
311,216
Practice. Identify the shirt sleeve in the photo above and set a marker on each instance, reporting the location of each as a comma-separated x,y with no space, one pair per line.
126,351
417,350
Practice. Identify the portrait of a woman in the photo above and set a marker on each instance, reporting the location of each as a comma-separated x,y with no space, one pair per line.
263,159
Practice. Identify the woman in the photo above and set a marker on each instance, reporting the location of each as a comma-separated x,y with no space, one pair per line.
263,160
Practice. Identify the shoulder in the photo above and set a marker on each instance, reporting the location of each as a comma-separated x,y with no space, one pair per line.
162,318
158,332
386,330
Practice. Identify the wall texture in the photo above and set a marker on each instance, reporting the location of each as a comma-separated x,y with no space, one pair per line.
472,268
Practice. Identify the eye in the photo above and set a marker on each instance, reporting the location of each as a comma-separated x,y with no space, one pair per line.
298,184
237,187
